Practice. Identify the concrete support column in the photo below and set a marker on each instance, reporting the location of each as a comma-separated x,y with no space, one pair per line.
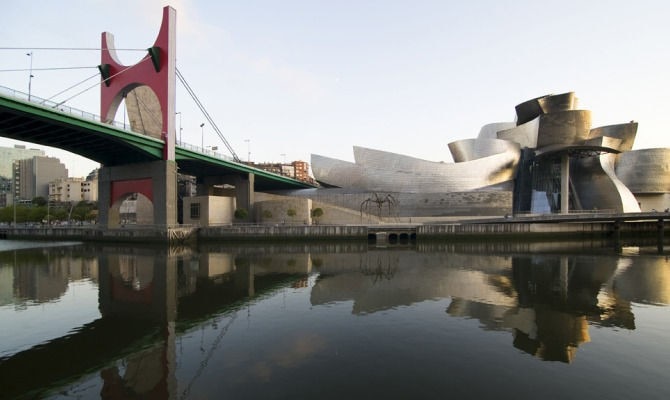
565,183
244,192
104,195
157,180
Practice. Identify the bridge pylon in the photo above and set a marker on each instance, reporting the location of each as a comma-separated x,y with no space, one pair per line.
155,183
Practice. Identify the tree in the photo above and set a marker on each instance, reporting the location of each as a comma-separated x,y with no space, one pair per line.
7,214
22,213
83,211
37,214
39,201
316,214
267,214
291,213
241,213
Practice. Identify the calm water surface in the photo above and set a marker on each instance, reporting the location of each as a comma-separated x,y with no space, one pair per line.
334,321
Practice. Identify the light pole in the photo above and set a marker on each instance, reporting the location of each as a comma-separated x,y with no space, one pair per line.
248,150
180,129
202,137
30,76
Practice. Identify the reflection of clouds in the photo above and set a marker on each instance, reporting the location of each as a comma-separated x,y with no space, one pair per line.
289,353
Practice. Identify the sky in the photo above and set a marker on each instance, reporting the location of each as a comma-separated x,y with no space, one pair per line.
287,79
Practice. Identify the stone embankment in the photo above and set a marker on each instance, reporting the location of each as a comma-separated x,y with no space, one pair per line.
531,229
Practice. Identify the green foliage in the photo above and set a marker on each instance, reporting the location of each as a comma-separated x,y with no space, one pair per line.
241,213
83,211
267,214
39,201
317,262
57,214
37,214
316,213
290,212
22,212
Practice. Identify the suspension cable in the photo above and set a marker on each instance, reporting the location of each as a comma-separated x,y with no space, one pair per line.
68,48
72,87
43,69
102,81
206,114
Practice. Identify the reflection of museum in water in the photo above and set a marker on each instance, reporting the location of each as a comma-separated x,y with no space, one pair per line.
546,301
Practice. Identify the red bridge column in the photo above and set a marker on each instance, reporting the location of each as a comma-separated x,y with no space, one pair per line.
157,70
156,181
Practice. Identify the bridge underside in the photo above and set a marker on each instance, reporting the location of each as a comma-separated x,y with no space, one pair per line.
131,161
50,127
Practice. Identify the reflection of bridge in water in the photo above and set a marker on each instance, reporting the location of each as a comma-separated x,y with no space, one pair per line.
546,299
145,298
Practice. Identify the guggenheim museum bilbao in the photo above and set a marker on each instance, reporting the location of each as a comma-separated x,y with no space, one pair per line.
550,160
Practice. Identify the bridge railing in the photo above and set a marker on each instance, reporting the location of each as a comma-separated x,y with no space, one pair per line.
209,152
16,94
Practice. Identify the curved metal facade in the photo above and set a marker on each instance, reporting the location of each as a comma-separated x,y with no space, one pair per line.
598,188
472,149
625,132
376,170
530,157
645,171
490,131
549,104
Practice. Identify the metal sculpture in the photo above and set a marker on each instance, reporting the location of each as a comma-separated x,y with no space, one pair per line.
379,200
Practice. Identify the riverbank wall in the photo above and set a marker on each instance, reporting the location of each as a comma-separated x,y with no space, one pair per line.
377,233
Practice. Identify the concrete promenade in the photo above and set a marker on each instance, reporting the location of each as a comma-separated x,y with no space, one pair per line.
547,227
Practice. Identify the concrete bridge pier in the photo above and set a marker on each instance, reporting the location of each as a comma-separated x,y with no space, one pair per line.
243,192
156,181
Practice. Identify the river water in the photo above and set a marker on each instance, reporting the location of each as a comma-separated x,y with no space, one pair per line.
335,321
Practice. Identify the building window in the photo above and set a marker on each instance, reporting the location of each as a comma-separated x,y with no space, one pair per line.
195,210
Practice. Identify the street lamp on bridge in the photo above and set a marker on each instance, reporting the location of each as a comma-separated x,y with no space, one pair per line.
248,150
180,128
202,137
30,74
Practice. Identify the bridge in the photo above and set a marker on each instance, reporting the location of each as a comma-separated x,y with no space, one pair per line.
46,123
134,162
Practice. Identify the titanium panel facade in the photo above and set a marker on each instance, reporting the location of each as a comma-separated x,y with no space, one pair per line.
625,132
602,168
490,131
472,149
645,171
382,171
